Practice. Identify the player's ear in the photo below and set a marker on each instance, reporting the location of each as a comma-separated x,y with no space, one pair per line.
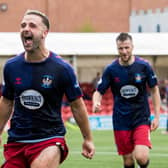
132,46
45,33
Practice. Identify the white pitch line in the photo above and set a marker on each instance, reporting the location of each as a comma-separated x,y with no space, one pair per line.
114,153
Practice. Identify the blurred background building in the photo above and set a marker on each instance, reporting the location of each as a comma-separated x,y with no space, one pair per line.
90,15
70,15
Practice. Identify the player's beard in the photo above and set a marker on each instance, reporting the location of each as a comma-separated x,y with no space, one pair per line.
32,45
126,59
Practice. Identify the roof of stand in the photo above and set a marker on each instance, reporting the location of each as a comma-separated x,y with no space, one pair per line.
89,43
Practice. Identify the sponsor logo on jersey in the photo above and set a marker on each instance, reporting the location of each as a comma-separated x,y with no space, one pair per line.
47,81
18,81
116,79
100,81
154,76
31,99
76,85
129,91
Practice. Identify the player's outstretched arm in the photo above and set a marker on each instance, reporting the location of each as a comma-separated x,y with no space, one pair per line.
157,103
6,107
81,117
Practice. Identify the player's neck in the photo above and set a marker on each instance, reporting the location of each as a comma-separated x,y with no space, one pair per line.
127,63
37,55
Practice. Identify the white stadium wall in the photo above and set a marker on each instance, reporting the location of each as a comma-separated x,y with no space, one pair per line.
149,20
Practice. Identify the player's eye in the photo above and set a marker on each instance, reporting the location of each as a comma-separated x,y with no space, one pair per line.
32,25
127,47
23,25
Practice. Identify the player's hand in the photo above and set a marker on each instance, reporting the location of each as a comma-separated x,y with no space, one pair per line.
154,124
88,149
96,107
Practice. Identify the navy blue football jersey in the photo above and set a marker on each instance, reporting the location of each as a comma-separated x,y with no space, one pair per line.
129,87
37,90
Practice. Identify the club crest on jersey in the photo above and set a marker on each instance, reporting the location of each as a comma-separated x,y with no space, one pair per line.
138,78
47,81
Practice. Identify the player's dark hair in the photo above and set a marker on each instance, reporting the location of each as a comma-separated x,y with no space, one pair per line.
45,19
123,36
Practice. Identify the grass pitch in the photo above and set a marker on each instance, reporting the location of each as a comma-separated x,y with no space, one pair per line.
106,155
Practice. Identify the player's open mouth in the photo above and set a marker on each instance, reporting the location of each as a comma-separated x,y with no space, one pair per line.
28,40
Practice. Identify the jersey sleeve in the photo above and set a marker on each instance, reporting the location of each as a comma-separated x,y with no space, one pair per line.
151,77
104,82
71,84
7,87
